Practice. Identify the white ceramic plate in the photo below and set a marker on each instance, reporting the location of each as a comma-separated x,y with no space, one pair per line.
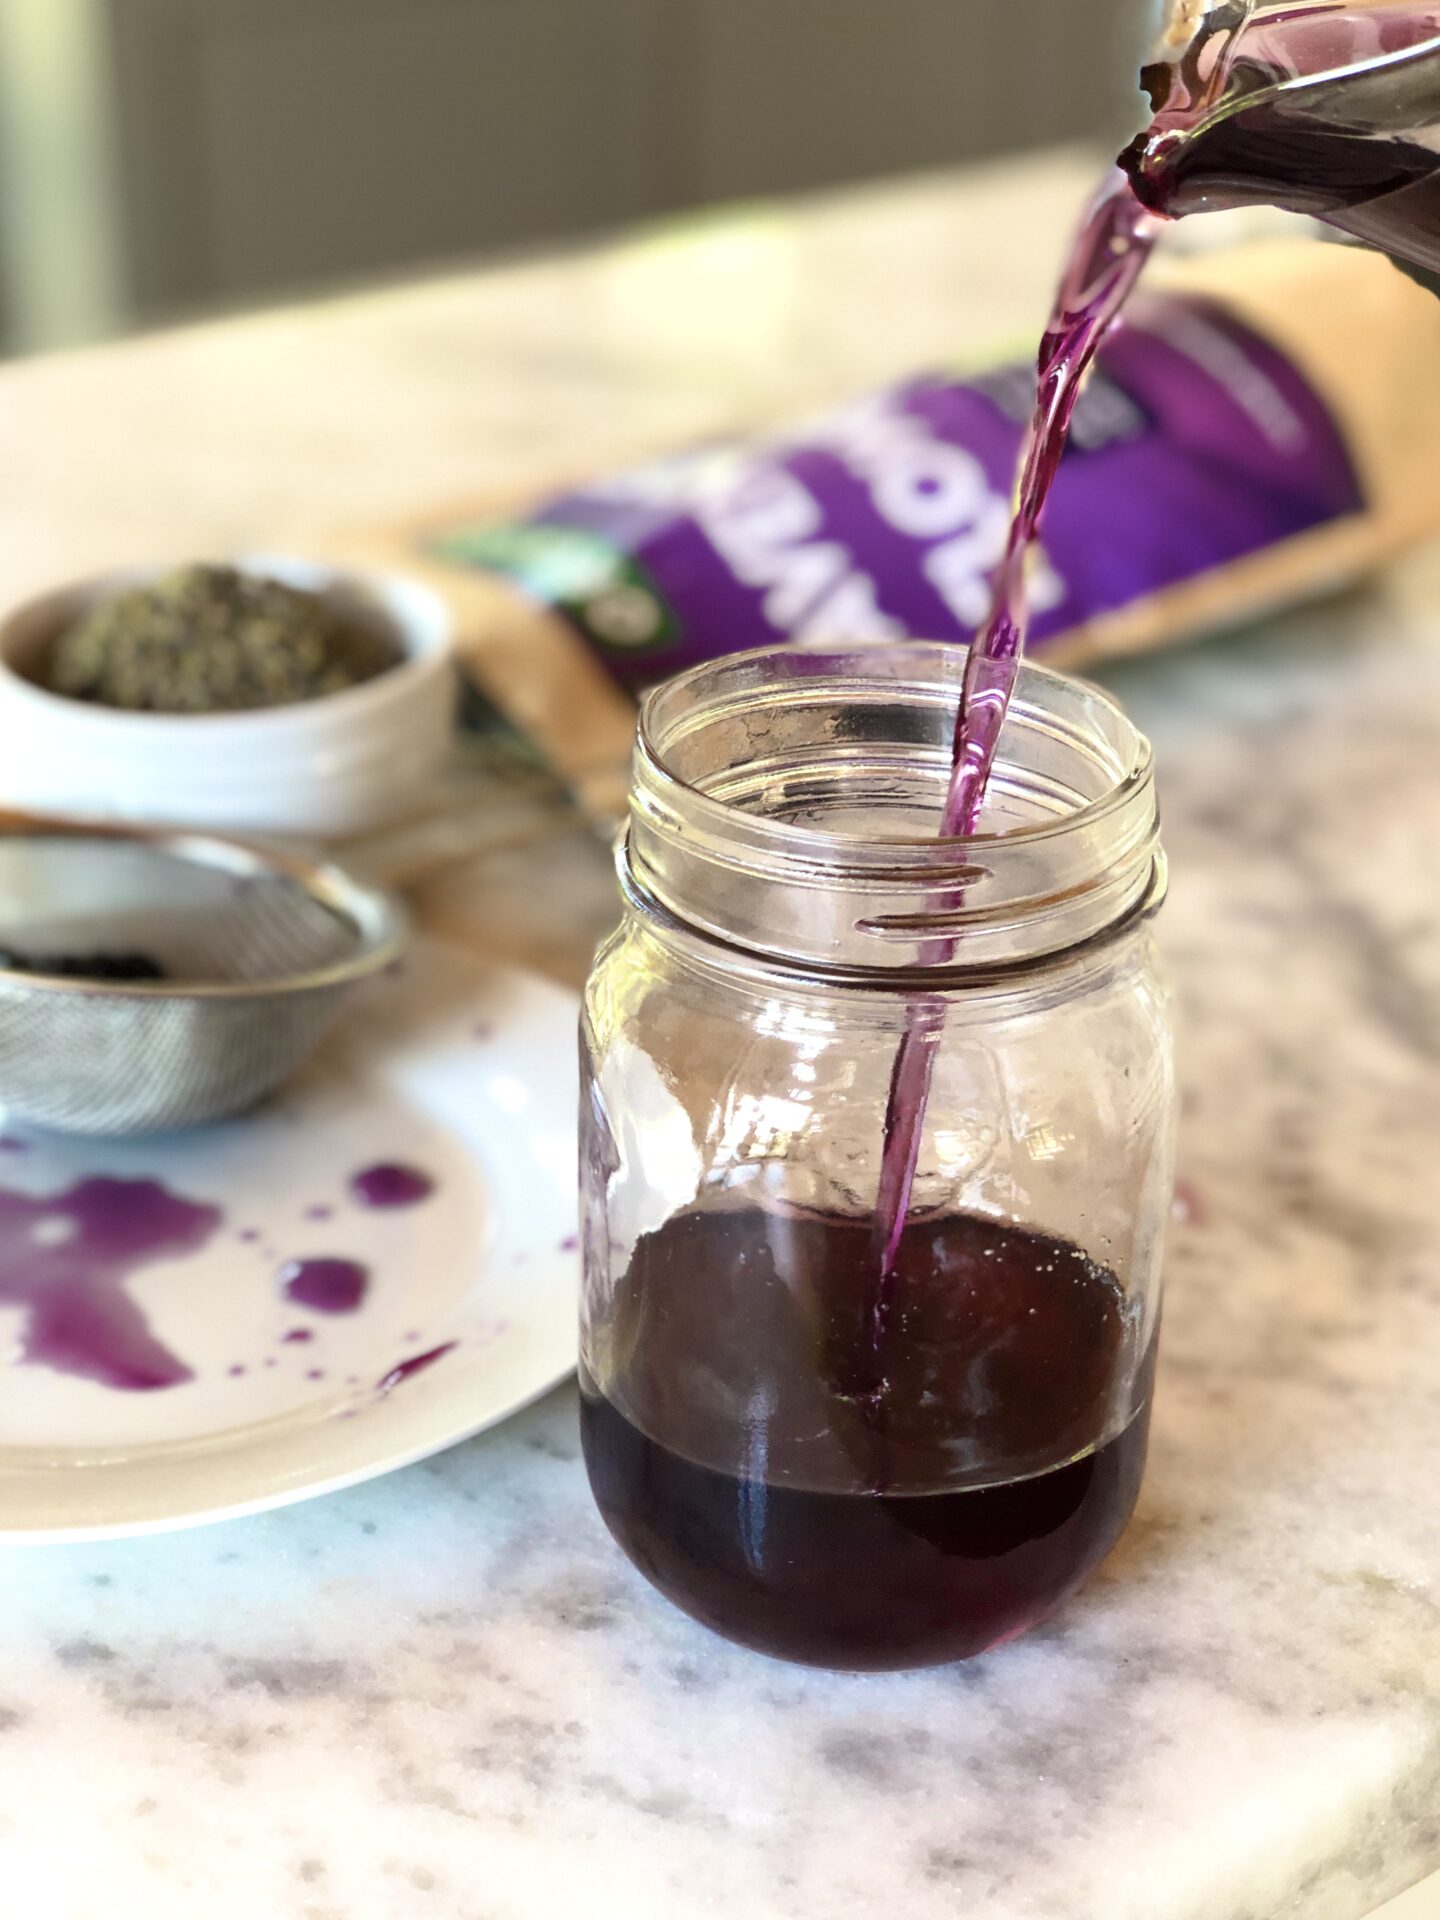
460,1074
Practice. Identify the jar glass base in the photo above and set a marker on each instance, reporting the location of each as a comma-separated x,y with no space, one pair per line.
859,1582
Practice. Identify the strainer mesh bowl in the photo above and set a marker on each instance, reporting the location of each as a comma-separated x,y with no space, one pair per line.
257,951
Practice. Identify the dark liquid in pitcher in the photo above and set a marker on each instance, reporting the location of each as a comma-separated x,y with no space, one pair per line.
1318,107
746,1459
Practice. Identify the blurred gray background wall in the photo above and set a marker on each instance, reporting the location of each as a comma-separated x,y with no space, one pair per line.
163,156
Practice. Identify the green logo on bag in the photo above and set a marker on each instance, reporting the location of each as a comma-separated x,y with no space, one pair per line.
612,600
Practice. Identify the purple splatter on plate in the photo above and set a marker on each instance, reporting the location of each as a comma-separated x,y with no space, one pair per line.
391,1184
325,1285
65,1260
407,1369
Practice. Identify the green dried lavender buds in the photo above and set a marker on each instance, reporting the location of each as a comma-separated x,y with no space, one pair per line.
209,639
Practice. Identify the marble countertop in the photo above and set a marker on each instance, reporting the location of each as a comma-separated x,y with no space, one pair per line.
444,1696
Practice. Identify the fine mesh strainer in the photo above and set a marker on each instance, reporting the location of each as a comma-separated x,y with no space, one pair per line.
257,950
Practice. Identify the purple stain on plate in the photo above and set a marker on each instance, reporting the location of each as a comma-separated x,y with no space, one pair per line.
272,1363
249,1235
236,1373
407,1369
320,1213
12,1143
570,1244
391,1185
325,1285
315,1373
483,1031
297,1337
64,1260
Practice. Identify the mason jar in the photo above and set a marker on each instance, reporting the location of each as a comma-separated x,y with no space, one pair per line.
876,1157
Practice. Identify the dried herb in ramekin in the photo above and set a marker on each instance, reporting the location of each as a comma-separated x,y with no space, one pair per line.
209,639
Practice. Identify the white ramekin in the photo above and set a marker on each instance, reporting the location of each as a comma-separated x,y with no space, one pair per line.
326,767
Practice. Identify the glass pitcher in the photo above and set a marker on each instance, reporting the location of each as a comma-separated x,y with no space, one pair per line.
788,1475
1323,107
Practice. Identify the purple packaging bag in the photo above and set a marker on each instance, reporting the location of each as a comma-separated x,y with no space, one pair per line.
1196,445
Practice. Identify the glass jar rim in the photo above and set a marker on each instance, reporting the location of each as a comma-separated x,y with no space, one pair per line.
737,757
925,849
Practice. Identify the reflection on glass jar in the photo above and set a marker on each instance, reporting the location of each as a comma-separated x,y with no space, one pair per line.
824,1468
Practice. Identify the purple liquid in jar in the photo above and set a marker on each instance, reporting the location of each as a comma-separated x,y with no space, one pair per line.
838,1526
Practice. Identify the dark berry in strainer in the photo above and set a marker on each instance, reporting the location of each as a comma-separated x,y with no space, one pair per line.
117,968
